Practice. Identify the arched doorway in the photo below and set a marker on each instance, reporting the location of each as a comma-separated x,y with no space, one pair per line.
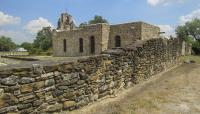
92,44
117,41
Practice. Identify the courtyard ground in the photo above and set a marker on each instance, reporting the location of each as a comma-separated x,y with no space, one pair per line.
173,92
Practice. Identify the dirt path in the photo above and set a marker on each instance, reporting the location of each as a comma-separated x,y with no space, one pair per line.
174,92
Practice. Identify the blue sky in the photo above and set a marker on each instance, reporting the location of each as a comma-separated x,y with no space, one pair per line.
21,19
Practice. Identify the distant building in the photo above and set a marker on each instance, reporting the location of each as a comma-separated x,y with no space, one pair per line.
21,50
90,40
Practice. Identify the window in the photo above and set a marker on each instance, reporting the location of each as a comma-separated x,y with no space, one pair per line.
81,45
92,44
65,45
117,41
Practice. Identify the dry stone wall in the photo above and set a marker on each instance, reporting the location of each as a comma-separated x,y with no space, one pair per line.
52,88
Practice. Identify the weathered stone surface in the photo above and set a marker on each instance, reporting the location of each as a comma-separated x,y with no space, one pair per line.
57,93
38,85
49,82
69,105
24,106
8,109
70,76
38,69
37,103
54,108
8,98
1,92
76,84
26,97
10,81
26,88
26,80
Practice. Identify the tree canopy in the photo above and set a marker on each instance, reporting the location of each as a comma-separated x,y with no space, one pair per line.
190,32
26,45
97,19
6,44
43,39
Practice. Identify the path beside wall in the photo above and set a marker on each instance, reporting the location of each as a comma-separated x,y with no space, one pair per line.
53,88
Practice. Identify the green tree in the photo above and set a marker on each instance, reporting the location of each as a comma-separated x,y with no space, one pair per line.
43,39
26,45
97,19
83,24
190,32
6,44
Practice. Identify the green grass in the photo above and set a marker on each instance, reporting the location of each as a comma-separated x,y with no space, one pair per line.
191,57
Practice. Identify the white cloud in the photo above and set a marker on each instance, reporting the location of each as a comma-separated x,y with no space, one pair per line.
17,36
34,26
189,17
163,2
6,19
169,30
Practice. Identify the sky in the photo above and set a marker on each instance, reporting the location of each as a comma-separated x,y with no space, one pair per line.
22,19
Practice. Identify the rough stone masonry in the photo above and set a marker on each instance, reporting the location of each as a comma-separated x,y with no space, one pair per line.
69,40
45,89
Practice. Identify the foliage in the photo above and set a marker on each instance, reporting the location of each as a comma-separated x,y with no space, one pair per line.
83,24
43,39
190,32
6,44
97,19
26,45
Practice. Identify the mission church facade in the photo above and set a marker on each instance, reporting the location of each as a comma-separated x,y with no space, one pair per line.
68,40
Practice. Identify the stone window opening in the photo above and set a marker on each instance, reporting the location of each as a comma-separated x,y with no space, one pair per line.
92,44
81,45
65,45
117,41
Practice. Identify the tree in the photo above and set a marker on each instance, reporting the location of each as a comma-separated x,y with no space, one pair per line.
83,24
6,44
43,39
97,19
27,46
190,32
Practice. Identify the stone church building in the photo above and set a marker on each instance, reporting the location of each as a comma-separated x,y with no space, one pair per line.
68,40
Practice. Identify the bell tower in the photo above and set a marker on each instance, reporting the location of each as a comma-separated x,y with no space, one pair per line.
65,22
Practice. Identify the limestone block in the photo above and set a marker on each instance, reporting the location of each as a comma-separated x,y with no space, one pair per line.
26,80
26,88
10,81
69,104
54,108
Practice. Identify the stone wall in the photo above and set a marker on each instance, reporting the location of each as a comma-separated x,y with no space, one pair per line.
129,34
150,31
53,88
104,35
72,38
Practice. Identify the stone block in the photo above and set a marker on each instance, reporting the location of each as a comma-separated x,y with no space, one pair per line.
26,88
10,81
54,108
26,80
38,85
69,105
49,82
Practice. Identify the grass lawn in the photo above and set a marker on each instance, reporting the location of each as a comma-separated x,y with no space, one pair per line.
191,57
